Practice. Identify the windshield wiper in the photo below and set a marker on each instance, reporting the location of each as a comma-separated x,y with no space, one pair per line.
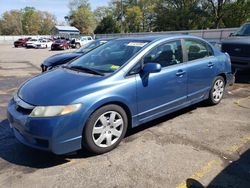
85,69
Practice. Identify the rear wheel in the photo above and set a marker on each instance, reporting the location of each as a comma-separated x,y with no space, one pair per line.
217,90
105,129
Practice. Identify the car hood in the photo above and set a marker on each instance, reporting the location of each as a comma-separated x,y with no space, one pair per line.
237,40
58,87
60,58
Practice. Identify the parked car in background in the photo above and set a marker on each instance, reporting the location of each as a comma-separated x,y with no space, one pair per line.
59,59
44,43
60,44
21,42
31,43
92,101
238,47
77,43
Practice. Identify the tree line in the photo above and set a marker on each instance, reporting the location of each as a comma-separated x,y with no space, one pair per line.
132,16
27,21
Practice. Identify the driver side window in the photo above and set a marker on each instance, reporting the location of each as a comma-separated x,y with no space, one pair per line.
167,54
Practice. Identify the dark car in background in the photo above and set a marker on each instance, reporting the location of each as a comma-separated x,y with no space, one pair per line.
62,58
21,42
238,47
60,44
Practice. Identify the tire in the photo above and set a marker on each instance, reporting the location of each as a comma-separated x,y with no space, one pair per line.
78,45
217,91
100,135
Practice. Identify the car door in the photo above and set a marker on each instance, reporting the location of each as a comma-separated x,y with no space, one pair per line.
160,93
200,68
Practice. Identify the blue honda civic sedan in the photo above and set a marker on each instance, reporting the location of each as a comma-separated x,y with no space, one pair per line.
91,102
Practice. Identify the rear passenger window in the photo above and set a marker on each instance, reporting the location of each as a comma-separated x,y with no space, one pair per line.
197,50
166,54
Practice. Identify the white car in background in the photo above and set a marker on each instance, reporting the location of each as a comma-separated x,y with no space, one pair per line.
31,43
39,43
44,43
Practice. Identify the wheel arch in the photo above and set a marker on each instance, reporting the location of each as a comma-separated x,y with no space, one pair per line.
118,103
223,75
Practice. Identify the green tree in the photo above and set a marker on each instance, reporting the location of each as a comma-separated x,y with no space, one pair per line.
216,10
179,15
107,25
31,21
236,13
75,4
102,12
134,19
47,23
11,23
81,16
83,19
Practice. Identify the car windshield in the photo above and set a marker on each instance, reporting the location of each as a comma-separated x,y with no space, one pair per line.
110,56
89,46
243,31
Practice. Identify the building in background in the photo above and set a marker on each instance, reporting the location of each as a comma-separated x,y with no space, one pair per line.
65,31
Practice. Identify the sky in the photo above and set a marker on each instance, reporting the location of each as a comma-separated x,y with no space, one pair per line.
57,7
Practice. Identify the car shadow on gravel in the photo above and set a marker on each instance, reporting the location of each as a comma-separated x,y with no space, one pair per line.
236,175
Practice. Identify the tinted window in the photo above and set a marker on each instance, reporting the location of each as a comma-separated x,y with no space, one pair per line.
243,31
166,54
197,49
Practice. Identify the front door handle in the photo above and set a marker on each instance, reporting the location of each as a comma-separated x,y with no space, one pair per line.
210,64
180,73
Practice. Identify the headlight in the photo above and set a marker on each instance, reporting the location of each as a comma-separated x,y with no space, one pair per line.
48,111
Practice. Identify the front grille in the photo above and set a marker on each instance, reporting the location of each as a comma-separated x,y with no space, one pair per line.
56,45
23,110
237,50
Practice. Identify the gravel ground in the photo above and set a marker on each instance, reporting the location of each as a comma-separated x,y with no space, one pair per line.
195,147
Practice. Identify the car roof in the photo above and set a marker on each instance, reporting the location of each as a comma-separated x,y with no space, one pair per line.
151,38
105,39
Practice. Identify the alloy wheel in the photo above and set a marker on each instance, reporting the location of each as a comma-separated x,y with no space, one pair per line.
218,90
107,129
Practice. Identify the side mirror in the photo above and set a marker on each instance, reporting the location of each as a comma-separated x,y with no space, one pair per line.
151,68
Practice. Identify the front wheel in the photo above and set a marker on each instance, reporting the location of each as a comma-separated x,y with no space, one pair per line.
217,90
105,129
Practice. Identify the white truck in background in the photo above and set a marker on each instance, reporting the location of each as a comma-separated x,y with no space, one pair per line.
77,43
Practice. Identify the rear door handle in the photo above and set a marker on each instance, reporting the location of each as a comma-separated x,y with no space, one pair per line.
210,64
180,73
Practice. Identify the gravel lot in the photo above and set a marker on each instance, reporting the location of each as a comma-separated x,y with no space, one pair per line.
195,147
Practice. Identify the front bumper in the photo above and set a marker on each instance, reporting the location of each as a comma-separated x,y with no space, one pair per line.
57,47
59,134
